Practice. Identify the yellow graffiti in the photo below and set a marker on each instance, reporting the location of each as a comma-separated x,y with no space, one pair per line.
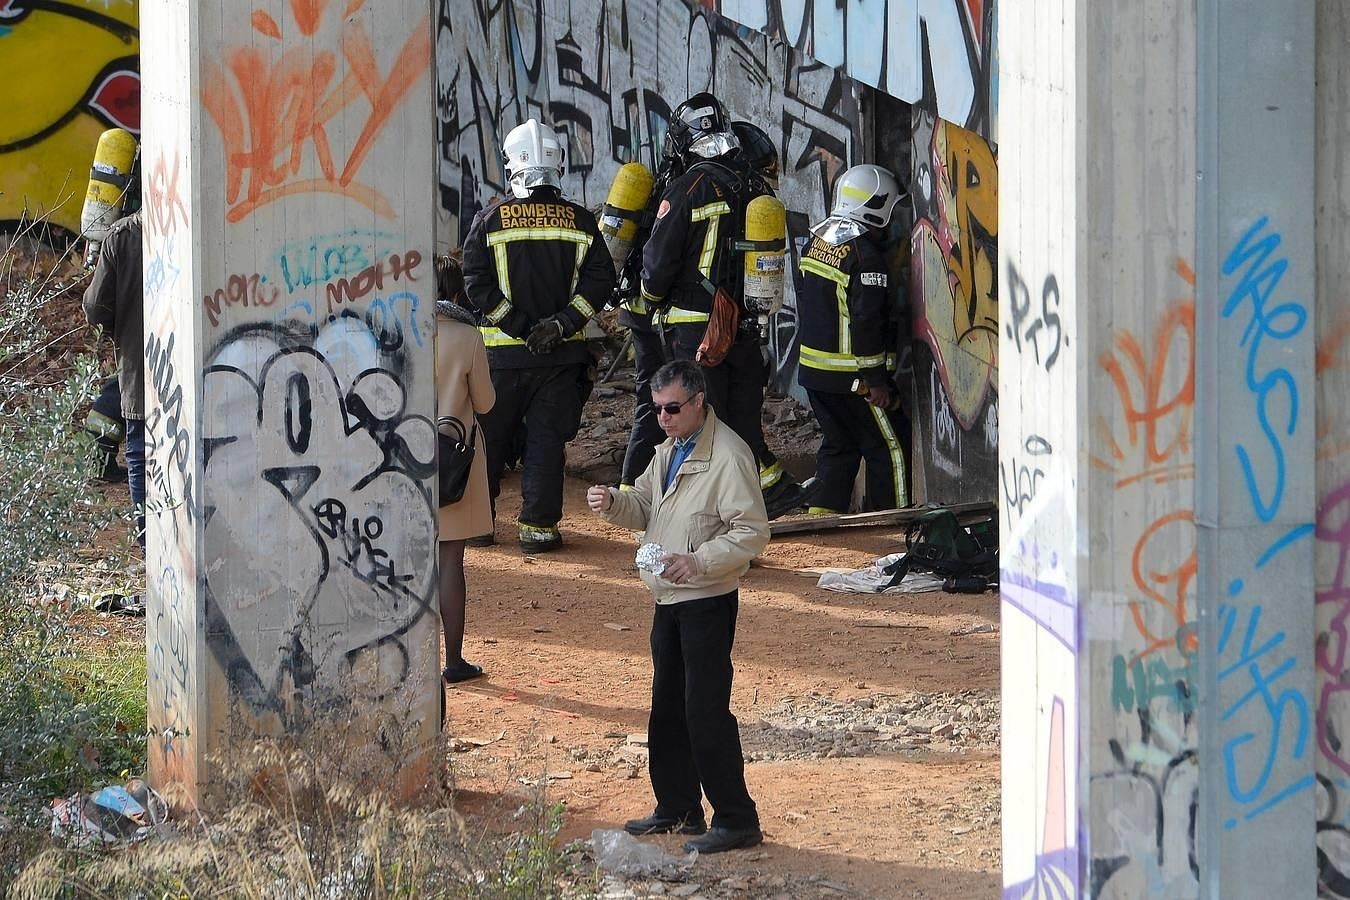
955,258
77,62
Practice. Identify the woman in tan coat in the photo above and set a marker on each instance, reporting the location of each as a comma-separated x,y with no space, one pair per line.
463,390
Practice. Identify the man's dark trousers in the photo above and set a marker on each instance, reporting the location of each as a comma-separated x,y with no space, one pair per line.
692,736
546,401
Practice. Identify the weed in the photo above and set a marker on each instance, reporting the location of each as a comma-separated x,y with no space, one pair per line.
55,719
290,832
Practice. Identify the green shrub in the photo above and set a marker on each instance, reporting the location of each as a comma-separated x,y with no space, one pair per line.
59,728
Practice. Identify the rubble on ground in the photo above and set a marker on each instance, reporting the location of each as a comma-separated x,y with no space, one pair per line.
817,726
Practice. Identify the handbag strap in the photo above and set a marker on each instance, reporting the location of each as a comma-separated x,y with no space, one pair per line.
456,424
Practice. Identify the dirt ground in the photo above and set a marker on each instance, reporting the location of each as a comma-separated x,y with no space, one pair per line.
869,722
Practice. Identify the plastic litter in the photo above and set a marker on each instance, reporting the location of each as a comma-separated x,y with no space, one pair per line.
110,815
872,580
619,853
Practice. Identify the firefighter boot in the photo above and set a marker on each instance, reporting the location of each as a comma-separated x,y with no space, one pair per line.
782,496
538,538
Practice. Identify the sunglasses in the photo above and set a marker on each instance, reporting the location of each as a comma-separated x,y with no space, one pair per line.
673,409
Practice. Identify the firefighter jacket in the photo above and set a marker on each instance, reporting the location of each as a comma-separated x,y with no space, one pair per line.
690,252
846,318
114,301
528,260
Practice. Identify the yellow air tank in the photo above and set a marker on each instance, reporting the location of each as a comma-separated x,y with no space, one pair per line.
108,178
628,197
766,245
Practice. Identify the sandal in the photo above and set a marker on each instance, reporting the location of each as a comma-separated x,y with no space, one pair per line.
461,671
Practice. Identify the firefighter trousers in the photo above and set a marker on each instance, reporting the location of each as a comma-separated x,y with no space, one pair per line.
646,432
546,402
852,430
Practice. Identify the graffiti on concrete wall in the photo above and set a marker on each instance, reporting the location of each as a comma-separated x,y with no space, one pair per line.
78,67
309,432
1039,584
607,75
1332,554
1145,792
289,304
273,111
954,285
171,484
1145,797
937,54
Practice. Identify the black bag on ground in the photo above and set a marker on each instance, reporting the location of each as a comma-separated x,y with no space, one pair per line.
966,556
455,449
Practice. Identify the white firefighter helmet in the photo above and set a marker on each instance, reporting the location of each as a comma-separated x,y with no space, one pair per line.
867,195
534,157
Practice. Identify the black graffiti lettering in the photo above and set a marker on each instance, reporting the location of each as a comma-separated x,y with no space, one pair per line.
1051,319
330,514
168,441
1019,299
1045,328
299,413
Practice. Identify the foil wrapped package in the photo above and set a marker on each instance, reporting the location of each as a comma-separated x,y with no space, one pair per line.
649,558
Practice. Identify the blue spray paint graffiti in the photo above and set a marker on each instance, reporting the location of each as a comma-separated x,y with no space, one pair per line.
1282,323
1251,756
304,264
1288,712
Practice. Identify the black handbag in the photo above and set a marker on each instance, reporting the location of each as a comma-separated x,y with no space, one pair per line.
455,450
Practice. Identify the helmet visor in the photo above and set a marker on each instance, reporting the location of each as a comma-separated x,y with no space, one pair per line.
837,230
711,146
526,180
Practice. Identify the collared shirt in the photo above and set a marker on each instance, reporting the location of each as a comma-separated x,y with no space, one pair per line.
683,447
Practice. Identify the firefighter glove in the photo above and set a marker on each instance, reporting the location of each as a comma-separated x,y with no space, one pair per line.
545,337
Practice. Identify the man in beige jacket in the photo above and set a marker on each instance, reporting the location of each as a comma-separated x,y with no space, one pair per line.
698,501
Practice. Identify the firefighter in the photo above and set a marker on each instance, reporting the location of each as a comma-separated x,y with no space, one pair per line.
648,352
848,321
536,268
690,255
758,150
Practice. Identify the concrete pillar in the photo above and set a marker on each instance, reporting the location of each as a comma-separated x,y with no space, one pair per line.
1157,390
1332,652
289,293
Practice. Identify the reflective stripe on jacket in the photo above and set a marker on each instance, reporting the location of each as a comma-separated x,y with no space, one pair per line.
846,316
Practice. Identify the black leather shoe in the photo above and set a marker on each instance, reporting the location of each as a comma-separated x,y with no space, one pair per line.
657,824
719,840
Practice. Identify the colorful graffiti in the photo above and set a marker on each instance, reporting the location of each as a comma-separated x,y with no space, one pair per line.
954,286
936,54
1145,793
1332,559
273,112
954,247
77,62
610,90
291,394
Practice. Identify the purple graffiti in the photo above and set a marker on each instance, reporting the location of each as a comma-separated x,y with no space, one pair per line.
1333,528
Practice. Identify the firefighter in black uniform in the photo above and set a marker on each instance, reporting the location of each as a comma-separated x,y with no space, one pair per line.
690,254
648,352
536,268
849,328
